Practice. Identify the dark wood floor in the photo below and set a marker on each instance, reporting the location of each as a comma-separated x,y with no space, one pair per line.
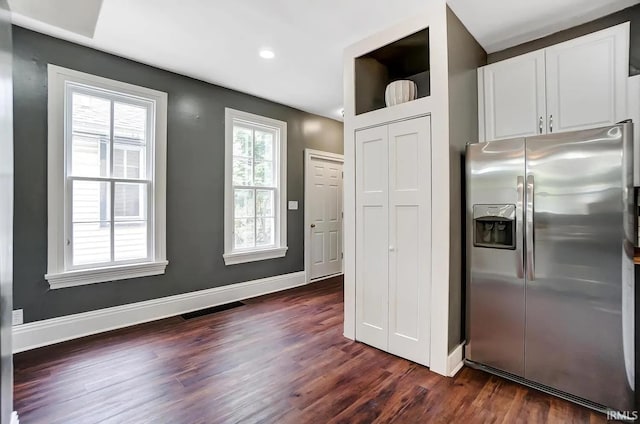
279,359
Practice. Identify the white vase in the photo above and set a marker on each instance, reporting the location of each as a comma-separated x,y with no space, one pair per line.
400,91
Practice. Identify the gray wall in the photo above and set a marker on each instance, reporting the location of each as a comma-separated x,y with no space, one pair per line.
6,216
195,176
465,56
631,14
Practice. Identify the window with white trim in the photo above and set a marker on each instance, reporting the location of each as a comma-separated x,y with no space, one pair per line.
107,171
255,187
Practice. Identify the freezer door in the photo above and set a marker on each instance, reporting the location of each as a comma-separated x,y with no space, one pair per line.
495,292
576,189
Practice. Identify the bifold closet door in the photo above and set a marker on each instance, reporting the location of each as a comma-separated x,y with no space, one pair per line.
410,238
372,236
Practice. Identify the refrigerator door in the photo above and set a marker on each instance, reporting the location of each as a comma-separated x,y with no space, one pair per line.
495,195
577,186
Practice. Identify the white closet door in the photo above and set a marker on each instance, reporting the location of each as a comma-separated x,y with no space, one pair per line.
586,80
514,97
372,242
410,238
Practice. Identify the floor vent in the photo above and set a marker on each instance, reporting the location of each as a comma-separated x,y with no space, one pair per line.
213,310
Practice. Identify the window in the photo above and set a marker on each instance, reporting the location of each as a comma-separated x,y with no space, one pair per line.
255,188
107,171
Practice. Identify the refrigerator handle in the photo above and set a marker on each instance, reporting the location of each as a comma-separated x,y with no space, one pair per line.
529,239
519,221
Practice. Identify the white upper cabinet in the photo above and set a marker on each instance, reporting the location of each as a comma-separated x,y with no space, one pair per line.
586,80
571,86
514,102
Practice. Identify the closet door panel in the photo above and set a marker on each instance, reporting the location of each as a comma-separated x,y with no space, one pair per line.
372,244
410,238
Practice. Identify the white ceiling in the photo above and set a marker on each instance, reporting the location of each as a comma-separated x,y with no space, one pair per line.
218,40
498,24
82,21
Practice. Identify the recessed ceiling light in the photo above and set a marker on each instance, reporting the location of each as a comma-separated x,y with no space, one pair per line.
267,54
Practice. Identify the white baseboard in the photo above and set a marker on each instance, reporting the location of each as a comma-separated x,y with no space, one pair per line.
455,360
14,418
43,333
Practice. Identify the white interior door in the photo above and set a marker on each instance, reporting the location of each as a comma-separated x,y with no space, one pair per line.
410,238
514,97
325,212
372,237
586,80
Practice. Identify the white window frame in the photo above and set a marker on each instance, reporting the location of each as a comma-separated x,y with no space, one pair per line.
60,273
231,256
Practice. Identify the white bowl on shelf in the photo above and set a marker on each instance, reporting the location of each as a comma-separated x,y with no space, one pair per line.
400,91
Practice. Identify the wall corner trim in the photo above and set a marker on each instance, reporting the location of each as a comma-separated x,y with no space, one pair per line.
47,332
455,361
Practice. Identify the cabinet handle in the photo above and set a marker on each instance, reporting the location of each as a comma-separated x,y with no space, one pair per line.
550,123
540,125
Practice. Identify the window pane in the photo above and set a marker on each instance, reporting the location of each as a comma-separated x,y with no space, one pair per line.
264,203
129,160
264,146
265,233
90,133
91,243
130,122
263,174
242,142
89,156
91,115
244,233
242,171
130,240
90,201
130,201
243,203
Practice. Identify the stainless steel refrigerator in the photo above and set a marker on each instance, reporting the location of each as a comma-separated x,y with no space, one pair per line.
550,236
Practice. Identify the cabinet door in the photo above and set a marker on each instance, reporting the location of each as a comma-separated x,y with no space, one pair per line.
372,237
514,97
586,80
410,239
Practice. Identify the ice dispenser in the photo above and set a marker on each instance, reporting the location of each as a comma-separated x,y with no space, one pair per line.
494,226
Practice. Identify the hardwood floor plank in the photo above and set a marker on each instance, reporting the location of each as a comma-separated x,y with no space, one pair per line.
280,358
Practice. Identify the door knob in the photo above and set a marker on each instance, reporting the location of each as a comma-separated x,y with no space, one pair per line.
392,249
313,225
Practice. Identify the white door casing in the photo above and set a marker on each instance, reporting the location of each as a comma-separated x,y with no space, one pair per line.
410,239
372,236
587,80
514,97
323,213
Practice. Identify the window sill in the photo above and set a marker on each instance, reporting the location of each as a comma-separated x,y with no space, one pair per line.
254,255
101,275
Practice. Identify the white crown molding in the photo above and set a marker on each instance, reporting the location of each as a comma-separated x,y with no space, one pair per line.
43,333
